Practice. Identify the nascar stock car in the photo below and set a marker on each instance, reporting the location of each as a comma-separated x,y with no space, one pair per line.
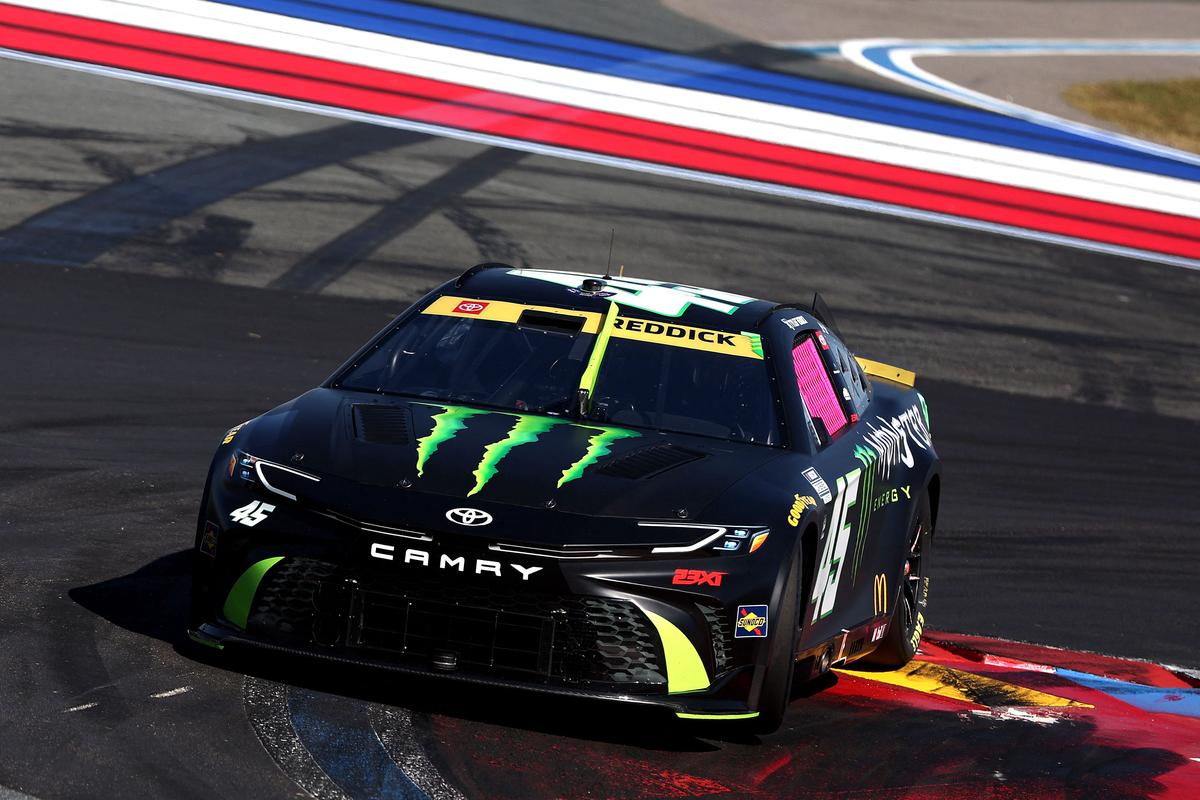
584,485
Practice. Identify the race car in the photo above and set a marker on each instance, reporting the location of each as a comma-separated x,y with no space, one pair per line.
583,485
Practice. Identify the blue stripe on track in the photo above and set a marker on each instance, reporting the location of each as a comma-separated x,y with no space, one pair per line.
530,43
339,737
1153,699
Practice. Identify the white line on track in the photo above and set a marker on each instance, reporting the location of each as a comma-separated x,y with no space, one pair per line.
172,692
808,195
898,64
722,114
83,707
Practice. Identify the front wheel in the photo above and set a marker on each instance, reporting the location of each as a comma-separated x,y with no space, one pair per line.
781,667
907,624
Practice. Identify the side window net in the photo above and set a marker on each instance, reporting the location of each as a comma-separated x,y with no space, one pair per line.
820,397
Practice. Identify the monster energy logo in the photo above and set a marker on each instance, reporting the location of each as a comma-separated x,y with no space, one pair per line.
526,430
866,456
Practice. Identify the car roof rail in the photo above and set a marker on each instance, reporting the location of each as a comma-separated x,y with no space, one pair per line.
461,279
818,308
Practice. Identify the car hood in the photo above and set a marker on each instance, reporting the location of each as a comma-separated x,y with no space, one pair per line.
407,462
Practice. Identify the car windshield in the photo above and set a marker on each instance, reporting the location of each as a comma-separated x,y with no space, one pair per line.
534,360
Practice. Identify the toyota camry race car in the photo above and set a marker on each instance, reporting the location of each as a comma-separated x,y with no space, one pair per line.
607,487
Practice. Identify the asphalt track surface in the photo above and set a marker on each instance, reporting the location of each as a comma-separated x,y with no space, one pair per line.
172,264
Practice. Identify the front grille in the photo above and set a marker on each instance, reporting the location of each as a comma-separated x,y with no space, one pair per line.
581,641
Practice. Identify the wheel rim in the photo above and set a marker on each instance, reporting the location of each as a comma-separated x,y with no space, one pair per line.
914,573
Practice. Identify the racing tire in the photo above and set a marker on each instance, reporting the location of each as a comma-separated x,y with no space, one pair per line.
907,624
776,691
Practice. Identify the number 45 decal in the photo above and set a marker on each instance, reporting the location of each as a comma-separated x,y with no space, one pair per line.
252,513
829,572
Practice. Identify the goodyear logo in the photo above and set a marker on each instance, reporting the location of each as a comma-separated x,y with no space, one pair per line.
798,506
751,622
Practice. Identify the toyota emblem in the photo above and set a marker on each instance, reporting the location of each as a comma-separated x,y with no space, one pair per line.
468,516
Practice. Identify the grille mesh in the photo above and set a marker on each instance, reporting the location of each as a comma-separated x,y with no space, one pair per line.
569,639
380,424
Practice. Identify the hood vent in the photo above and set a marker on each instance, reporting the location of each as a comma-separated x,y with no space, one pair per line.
380,424
650,461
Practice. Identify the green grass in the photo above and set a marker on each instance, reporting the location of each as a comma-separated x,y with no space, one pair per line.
1163,111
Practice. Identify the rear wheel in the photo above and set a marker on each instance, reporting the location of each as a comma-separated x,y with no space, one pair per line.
907,624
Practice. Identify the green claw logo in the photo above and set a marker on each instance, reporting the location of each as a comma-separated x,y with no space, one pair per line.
526,430
452,420
597,447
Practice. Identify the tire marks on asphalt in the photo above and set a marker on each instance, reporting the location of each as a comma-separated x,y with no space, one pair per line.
334,259
77,232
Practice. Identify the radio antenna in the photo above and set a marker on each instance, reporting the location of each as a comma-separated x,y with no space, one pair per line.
608,267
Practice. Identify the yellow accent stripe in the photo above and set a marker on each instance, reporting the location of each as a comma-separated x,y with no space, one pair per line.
668,333
642,330
592,370
877,369
683,715
502,311
935,679
685,670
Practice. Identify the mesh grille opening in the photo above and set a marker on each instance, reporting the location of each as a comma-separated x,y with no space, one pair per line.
380,424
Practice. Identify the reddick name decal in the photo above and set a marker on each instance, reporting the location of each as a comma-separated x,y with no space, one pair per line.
387,552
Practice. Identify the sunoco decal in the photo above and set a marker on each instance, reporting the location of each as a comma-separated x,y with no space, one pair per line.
751,622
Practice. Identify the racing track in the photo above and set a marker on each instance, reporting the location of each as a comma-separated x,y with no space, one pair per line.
173,264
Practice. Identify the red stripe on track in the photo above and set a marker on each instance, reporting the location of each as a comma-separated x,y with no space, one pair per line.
366,89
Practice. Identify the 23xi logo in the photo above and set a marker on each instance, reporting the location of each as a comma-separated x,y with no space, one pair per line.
697,577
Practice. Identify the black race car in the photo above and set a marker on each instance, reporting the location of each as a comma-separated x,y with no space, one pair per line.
608,487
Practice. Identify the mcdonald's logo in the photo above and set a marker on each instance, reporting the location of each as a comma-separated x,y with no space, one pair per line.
881,595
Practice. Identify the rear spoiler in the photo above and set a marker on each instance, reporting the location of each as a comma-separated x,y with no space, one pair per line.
877,369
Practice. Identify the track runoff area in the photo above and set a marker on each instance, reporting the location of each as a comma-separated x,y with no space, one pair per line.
970,716
524,87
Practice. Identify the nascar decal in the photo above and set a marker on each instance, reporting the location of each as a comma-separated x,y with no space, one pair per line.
751,622
724,342
665,299
231,433
829,570
526,430
818,483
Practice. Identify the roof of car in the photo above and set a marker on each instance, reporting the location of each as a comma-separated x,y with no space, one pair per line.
689,305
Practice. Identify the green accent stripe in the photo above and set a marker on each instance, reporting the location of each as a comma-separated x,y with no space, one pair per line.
686,715
685,670
204,640
452,420
241,596
525,431
592,370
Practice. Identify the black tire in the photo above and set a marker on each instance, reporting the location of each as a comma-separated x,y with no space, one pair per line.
907,624
781,667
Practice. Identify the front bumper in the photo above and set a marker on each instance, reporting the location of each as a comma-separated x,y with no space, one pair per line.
614,630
